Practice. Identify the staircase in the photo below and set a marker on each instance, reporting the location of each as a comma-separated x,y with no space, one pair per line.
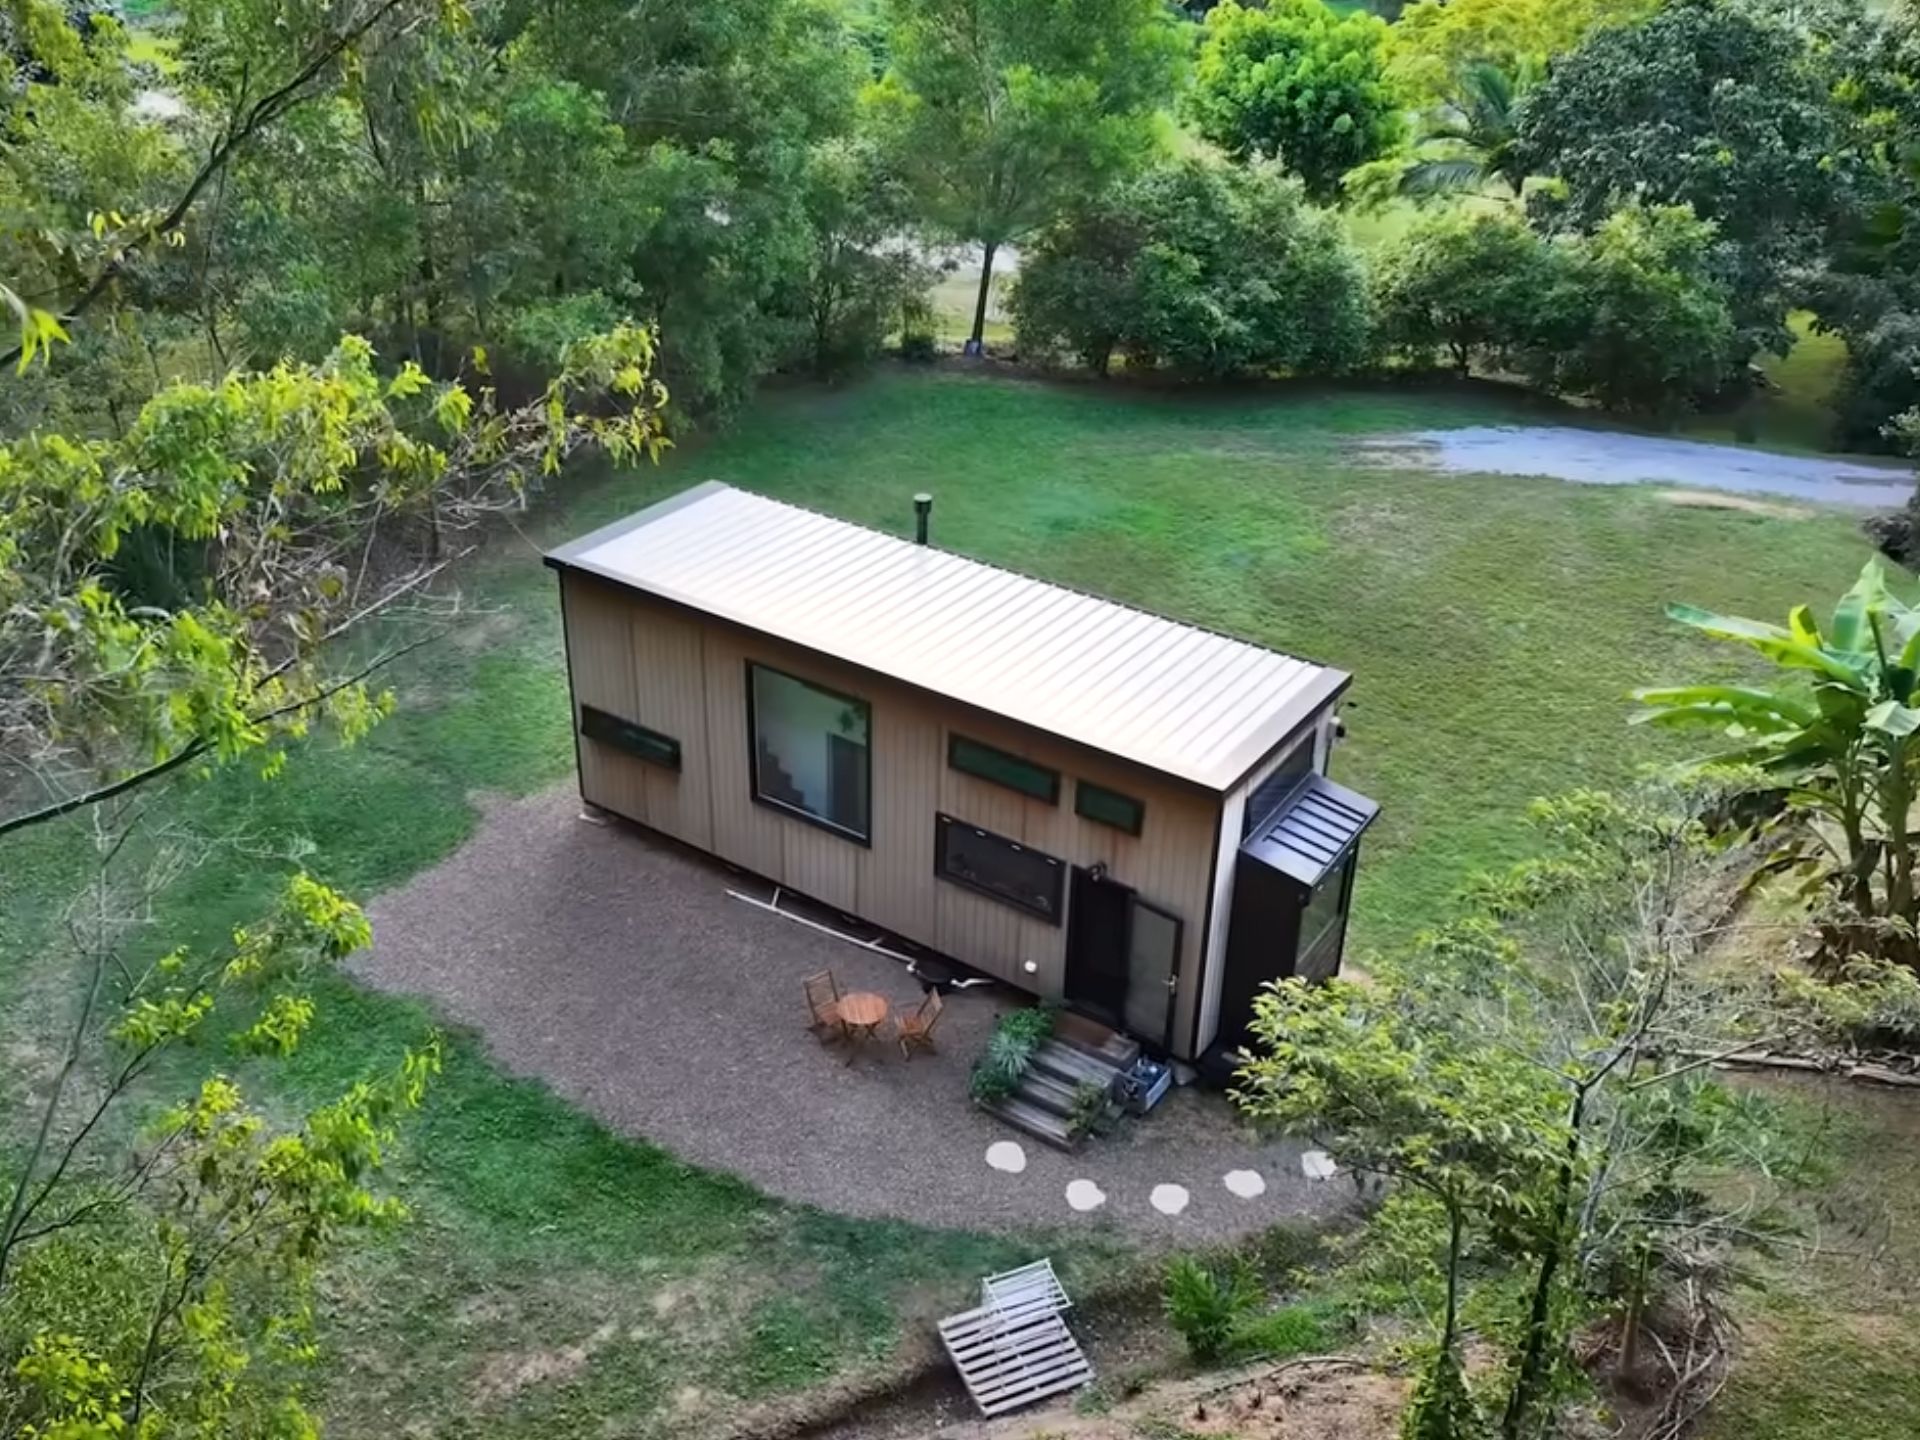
1079,1052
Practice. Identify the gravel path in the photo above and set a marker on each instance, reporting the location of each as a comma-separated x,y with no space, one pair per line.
614,966
1612,457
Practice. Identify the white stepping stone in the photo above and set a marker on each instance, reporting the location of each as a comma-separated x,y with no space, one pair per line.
1006,1155
1318,1165
1247,1184
1169,1199
1084,1195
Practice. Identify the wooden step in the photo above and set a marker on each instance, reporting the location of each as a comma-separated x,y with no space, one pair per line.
1039,1123
1049,1092
1095,1040
1063,1062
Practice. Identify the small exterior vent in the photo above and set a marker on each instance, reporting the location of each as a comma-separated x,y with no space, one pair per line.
1310,834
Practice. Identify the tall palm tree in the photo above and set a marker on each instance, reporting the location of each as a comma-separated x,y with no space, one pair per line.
1470,139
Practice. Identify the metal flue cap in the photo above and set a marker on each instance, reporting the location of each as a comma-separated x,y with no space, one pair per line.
922,510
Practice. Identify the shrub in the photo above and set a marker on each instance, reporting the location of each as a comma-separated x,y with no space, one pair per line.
1291,1330
996,1074
1207,270
1464,284
1206,1304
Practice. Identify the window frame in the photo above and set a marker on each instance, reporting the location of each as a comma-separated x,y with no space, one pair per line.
1082,786
592,716
864,839
943,825
955,740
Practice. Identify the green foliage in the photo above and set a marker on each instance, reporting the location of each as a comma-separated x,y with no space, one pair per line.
1001,114
1434,42
1297,82
1836,735
1091,1111
1442,1407
1205,270
1009,1050
1635,315
1706,105
1466,284
1300,1329
1207,1304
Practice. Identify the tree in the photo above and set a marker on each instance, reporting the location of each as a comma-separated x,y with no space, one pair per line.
1298,83
1468,284
1470,140
1526,1078
1704,105
266,492
1204,269
1434,42
1635,315
1836,734
1003,114
861,272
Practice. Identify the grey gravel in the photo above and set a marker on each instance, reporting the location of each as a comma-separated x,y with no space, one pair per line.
612,965
1612,457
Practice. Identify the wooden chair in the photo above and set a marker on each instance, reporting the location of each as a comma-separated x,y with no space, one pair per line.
823,1004
915,1028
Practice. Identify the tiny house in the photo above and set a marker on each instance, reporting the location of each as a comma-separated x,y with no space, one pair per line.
1086,800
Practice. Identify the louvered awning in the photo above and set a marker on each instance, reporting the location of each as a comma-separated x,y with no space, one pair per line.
1312,832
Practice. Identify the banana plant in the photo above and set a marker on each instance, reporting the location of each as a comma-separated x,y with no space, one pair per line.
1837,729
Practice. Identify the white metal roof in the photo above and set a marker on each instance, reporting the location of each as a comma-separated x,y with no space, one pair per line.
1181,700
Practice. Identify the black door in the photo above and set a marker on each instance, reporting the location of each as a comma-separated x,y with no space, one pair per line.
1099,930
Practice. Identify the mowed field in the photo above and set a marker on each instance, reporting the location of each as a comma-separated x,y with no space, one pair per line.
558,1279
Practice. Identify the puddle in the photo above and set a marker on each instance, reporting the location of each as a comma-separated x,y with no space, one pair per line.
1604,457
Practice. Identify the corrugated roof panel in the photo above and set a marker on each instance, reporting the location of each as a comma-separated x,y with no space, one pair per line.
1181,700
1310,834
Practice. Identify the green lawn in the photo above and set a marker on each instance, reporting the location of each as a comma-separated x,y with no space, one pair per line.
561,1280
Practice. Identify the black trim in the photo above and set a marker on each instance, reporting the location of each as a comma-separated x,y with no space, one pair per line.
854,837
573,703
1081,789
630,738
942,827
1047,779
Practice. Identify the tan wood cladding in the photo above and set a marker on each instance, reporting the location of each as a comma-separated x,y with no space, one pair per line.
668,670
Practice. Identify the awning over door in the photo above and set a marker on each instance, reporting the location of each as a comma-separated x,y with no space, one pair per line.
1312,831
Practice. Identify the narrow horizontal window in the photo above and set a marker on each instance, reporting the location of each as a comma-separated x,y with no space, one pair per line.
984,762
636,740
1109,807
996,866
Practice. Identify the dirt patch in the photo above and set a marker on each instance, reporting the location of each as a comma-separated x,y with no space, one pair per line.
1745,504
504,1375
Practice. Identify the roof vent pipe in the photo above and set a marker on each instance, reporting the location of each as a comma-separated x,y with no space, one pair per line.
922,512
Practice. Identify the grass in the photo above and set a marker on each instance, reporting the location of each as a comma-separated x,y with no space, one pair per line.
561,1279
1831,1345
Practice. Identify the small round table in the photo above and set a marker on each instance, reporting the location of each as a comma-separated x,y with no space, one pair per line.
863,1013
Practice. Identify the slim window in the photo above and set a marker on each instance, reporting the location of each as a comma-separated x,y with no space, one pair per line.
810,751
997,866
1323,924
635,740
1268,794
984,762
1109,807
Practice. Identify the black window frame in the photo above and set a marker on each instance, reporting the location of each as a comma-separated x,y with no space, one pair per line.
1120,797
1049,794
943,826
864,839
630,737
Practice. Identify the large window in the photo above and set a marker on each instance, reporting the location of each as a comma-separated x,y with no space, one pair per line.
988,763
1323,924
810,751
997,866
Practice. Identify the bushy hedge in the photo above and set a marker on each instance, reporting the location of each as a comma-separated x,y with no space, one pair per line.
1631,316
1201,270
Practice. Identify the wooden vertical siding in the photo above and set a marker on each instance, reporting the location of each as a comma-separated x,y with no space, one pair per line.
673,672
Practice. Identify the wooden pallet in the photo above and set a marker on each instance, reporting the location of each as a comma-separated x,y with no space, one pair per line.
1013,1354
